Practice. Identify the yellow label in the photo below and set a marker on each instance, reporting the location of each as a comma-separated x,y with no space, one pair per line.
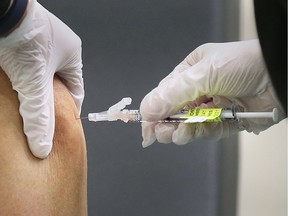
204,115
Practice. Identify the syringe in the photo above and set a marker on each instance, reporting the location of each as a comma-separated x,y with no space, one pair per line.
197,115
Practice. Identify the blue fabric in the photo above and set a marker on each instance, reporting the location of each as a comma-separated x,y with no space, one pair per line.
14,15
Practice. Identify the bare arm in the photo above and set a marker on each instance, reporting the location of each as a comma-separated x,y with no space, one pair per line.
54,186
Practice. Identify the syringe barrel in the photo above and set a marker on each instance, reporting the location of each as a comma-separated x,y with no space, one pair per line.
135,116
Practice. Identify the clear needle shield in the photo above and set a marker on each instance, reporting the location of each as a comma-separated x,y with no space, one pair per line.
117,112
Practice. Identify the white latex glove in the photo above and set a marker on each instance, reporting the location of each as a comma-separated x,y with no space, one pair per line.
213,75
30,56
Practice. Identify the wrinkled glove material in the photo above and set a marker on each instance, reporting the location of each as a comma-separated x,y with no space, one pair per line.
41,46
213,75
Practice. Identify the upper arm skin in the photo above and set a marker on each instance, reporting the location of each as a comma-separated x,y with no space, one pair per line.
56,185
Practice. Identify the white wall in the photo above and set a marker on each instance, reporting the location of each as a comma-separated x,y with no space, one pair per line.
262,185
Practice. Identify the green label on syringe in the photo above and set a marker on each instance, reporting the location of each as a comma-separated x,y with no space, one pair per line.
203,115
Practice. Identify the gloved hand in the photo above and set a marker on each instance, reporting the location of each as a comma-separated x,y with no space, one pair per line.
30,56
213,75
